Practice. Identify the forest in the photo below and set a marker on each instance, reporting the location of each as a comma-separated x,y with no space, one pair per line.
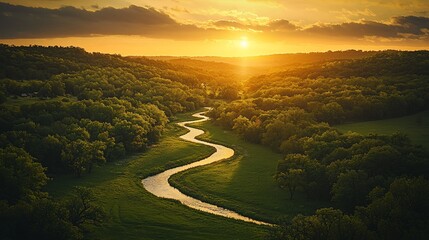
65,111
377,185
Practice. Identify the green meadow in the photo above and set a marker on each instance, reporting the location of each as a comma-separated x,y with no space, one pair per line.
416,127
133,213
244,183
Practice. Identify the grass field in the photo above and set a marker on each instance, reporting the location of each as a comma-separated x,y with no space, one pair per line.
136,214
244,183
415,126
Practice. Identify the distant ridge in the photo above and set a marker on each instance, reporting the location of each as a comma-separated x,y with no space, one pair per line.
277,60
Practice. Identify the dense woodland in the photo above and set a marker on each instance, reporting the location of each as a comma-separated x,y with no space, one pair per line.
378,185
64,110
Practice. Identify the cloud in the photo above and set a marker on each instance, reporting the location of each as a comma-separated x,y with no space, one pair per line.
399,27
395,3
274,25
412,24
281,24
28,22
231,24
356,29
346,14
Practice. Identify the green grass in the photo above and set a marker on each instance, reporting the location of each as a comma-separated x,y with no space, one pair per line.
136,214
415,126
244,183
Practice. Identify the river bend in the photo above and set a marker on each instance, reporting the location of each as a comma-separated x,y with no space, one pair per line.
159,186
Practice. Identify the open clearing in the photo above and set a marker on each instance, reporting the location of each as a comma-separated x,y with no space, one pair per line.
415,126
245,183
134,213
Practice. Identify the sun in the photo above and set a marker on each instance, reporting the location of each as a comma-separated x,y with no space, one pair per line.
244,43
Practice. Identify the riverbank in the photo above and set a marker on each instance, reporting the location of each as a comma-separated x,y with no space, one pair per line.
159,186
134,213
245,183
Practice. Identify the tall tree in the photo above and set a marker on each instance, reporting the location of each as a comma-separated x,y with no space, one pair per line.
20,176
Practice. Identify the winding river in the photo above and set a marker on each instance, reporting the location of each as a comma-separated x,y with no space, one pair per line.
159,186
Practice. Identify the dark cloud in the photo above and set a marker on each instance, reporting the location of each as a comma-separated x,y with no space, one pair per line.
412,24
354,29
400,27
29,22
281,24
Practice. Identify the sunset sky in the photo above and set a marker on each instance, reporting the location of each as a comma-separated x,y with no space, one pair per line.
216,27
